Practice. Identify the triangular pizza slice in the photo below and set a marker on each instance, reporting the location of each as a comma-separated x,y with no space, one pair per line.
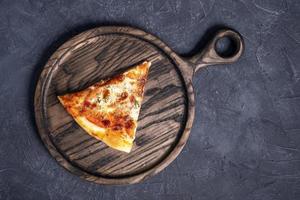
109,109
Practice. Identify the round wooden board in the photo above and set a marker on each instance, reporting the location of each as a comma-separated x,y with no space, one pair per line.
165,118
167,111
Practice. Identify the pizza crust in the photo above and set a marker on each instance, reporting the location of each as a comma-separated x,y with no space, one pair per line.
113,140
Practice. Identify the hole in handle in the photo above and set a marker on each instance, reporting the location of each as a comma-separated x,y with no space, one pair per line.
228,45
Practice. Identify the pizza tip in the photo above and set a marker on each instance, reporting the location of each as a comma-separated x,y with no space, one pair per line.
147,63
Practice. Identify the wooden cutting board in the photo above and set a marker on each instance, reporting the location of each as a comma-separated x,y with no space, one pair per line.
167,111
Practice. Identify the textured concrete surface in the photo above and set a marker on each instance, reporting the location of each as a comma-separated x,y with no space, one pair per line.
245,143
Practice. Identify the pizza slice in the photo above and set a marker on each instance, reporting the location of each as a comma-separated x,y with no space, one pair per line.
109,109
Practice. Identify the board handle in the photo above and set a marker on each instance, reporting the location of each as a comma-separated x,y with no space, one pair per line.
210,56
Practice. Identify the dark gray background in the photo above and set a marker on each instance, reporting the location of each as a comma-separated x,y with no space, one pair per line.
245,142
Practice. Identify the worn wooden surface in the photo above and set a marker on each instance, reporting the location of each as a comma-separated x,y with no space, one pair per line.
162,127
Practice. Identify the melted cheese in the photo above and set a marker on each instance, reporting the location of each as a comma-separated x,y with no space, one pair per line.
115,91
109,109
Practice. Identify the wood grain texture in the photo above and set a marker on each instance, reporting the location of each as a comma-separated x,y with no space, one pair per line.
165,117
167,110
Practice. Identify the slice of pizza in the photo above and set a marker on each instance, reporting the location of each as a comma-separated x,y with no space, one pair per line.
109,109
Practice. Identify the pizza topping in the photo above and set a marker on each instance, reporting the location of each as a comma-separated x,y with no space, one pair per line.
117,127
120,77
129,124
105,93
132,99
142,82
115,80
123,96
98,99
136,104
106,123
86,104
109,109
